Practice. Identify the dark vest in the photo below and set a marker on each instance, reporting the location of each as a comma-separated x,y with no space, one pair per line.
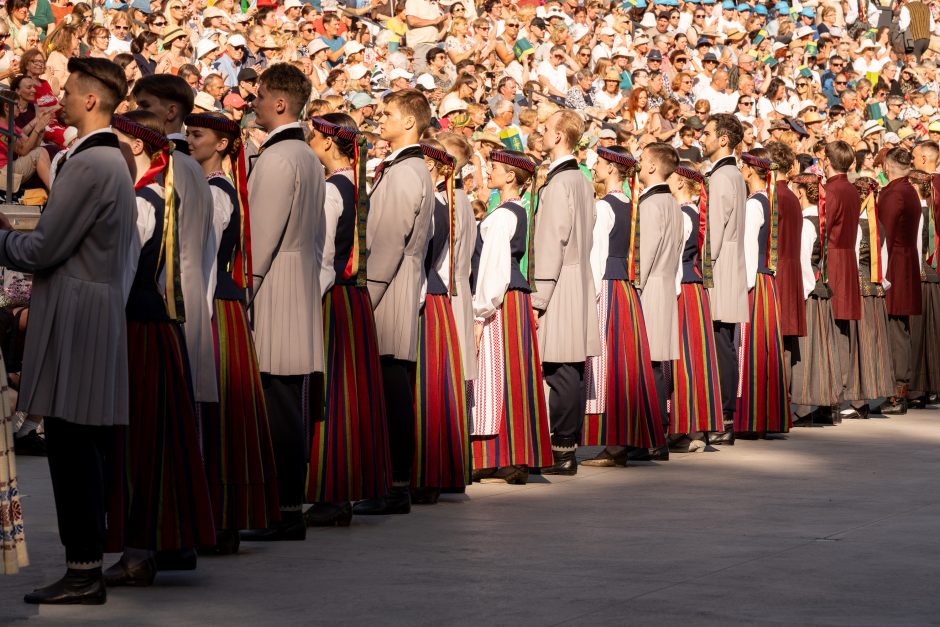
618,251
225,287
345,228
763,236
864,262
820,291
690,260
145,301
517,248
927,272
437,248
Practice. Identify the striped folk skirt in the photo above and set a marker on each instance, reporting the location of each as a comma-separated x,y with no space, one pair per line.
521,416
816,374
622,376
349,451
925,340
13,555
764,404
696,398
442,440
236,438
871,373
162,501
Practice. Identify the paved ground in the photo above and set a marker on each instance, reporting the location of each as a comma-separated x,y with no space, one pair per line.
833,526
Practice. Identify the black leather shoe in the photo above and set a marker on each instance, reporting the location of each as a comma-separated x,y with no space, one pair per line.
77,587
894,407
329,515
606,459
139,575
721,438
398,501
182,559
513,475
425,496
659,454
566,464
917,402
31,444
292,530
227,542
482,473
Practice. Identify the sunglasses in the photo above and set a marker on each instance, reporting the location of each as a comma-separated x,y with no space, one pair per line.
802,84
121,27
159,23
681,61
699,16
512,26
842,83
306,30
746,103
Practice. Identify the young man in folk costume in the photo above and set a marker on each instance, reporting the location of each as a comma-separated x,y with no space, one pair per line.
511,430
400,209
622,407
349,456
727,194
78,255
286,192
564,296
764,406
900,213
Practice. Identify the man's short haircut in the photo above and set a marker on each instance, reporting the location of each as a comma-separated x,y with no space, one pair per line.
726,125
782,155
840,155
899,158
285,79
169,88
412,102
102,77
665,155
329,18
570,125
931,148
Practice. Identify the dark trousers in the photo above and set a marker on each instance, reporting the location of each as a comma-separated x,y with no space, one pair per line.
78,466
663,392
727,358
920,47
844,329
398,382
565,383
283,395
899,336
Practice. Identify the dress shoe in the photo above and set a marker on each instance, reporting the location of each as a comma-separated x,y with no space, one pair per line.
566,464
182,559
425,496
827,416
78,587
513,475
856,413
398,501
290,528
482,473
918,402
685,444
31,444
721,438
227,542
606,459
138,575
329,514
895,406
658,454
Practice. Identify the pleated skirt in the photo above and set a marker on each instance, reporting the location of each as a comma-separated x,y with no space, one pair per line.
816,374
349,450
696,398
236,437
925,339
162,500
871,373
442,442
523,434
13,555
764,404
622,376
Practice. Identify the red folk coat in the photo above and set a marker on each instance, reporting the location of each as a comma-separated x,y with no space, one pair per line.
842,210
899,209
789,276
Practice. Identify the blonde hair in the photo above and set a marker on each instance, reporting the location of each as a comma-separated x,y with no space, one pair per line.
454,23
570,125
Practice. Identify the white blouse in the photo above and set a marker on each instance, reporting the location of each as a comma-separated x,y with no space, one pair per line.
495,265
753,221
807,239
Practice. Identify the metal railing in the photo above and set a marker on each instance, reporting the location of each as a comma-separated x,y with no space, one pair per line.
10,133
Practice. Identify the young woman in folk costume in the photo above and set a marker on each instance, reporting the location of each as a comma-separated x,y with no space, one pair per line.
236,438
925,328
764,404
442,443
163,501
622,409
510,417
349,452
696,399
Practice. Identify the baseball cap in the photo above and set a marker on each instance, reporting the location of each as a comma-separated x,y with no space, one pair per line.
654,55
234,101
400,73
293,4
729,5
237,41
247,74
426,82
892,138
204,101
352,47
934,127
607,133
204,47
695,122
357,71
709,56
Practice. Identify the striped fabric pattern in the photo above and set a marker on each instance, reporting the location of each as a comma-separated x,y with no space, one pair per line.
163,501
595,368
632,414
349,451
764,405
236,438
871,373
816,375
489,386
442,442
523,437
13,554
696,398
925,340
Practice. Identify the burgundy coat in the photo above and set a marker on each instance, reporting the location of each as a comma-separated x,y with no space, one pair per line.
789,276
899,210
842,210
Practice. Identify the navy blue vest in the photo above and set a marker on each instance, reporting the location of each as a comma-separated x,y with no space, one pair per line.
517,248
821,290
763,236
225,287
345,228
145,301
691,273
618,250
437,248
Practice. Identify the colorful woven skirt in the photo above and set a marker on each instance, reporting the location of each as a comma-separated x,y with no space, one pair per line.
522,435
236,438
163,501
925,340
816,374
764,404
13,554
349,451
871,373
630,414
696,398
442,445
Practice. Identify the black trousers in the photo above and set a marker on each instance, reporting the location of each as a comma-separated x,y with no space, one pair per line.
727,358
283,395
565,383
663,393
78,466
920,47
899,336
398,382
844,346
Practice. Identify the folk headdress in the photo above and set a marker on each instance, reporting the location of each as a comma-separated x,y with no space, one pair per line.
523,163
813,181
442,157
770,168
161,163
704,241
868,192
356,266
632,167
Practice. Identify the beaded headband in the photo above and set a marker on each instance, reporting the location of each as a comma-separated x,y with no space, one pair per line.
129,127
213,122
758,162
689,173
805,179
866,185
334,130
500,156
616,157
437,155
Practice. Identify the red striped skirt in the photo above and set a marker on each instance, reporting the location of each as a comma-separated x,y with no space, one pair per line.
523,434
349,451
163,501
632,415
696,398
764,404
236,438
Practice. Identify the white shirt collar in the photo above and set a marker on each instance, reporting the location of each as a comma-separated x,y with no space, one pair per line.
811,210
282,127
392,155
557,162
81,140
176,136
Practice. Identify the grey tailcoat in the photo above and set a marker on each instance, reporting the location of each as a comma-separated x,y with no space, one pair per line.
286,192
563,286
727,195
75,359
400,210
464,240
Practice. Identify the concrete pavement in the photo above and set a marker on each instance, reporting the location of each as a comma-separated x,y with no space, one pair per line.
827,526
